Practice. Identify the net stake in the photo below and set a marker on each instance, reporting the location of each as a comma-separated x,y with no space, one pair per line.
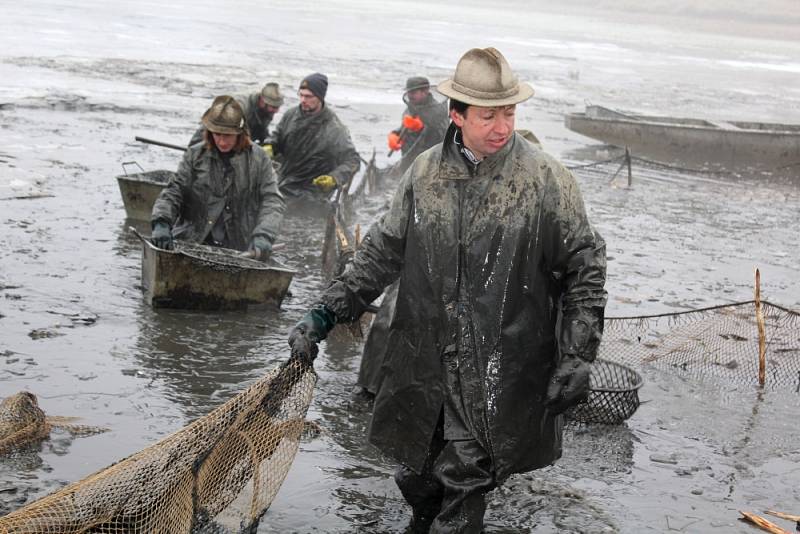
762,337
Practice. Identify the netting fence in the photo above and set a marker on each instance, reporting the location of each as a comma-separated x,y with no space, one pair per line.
720,343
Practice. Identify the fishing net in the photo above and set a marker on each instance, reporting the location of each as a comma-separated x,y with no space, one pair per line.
218,258
21,421
220,474
719,343
613,394
216,475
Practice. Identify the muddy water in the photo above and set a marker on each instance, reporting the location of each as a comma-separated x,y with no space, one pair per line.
77,83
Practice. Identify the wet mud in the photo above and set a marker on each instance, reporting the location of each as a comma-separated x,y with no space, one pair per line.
79,81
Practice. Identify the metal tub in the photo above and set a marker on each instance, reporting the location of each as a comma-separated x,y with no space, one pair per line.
208,278
140,190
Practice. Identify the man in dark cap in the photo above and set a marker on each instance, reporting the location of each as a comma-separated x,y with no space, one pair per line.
423,123
312,145
499,309
259,109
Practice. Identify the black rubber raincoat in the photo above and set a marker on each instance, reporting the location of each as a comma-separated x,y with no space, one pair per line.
435,120
313,145
248,202
491,259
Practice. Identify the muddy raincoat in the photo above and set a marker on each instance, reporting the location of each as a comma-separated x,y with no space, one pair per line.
247,200
435,119
498,267
308,146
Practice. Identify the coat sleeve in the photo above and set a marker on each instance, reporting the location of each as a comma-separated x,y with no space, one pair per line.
169,203
347,159
272,205
378,260
576,255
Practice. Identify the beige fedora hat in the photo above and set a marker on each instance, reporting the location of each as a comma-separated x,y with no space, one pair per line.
271,93
483,78
225,116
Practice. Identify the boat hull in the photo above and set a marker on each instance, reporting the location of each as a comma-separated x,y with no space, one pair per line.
736,145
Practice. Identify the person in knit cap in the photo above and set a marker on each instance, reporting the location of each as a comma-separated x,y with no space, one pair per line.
499,308
224,193
422,125
259,110
312,145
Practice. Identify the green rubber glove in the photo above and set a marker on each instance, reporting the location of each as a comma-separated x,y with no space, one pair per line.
311,329
161,236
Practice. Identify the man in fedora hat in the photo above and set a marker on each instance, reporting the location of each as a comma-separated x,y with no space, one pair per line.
423,123
259,109
312,145
224,193
499,310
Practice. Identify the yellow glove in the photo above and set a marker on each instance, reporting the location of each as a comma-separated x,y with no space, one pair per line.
326,182
268,150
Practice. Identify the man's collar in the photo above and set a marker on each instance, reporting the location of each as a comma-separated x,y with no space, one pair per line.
457,165
458,140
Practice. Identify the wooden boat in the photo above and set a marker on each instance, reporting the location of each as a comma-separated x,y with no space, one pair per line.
201,277
140,190
730,145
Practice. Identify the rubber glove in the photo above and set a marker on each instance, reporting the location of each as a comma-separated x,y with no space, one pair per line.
311,329
395,142
268,150
260,249
161,237
326,182
413,123
569,384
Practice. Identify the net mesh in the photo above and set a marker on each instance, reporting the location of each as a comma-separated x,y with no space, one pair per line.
217,258
21,421
720,343
218,474
613,394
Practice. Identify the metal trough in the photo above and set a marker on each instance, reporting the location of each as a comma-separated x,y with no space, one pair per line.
200,277
139,192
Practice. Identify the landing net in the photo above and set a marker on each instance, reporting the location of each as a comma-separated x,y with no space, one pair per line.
217,475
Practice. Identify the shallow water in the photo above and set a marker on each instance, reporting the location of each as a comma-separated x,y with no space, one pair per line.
77,83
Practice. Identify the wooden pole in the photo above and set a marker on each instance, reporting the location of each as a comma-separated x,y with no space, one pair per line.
762,523
762,336
628,161
788,517
160,143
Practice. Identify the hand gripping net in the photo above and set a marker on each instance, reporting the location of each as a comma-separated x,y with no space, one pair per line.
219,474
